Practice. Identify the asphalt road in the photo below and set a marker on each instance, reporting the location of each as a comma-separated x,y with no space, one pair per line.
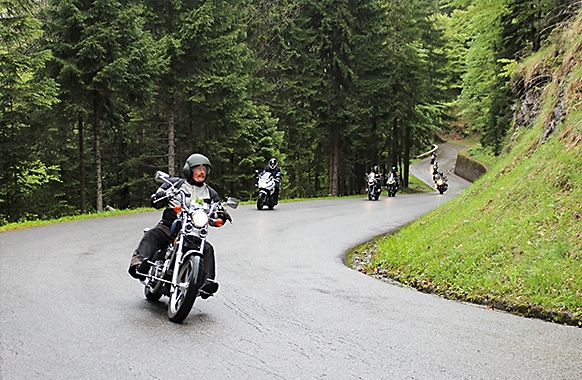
287,308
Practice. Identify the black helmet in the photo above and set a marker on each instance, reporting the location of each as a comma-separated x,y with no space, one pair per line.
194,160
272,163
394,169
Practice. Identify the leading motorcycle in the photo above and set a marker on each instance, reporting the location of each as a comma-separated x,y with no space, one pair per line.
177,270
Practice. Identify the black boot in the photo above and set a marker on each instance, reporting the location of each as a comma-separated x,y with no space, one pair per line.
138,270
208,288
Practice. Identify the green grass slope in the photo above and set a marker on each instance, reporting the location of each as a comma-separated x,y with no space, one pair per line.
513,241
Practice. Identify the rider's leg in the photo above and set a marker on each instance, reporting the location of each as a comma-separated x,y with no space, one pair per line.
210,286
152,240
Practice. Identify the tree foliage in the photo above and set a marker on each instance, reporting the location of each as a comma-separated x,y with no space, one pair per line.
96,95
500,32
22,94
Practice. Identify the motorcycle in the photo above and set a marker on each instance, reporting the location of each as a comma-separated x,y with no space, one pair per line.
373,187
267,188
392,185
177,270
434,170
440,181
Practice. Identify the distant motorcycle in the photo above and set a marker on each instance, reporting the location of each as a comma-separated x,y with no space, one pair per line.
432,158
434,169
373,186
177,270
392,185
266,184
440,181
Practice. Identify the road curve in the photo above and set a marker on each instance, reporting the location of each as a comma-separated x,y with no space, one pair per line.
446,158
287,307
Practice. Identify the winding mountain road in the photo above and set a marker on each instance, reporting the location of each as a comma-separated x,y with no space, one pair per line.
287,307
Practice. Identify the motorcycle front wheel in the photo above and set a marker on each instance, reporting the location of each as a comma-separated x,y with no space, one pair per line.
261,201
183,297
271,202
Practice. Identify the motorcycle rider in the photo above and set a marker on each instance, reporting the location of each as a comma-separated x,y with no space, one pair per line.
432,158
377,175
273,168
394,174
196,169
435,170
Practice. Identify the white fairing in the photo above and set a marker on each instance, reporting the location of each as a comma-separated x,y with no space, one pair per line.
267,182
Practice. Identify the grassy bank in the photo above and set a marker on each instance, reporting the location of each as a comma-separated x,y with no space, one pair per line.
512,241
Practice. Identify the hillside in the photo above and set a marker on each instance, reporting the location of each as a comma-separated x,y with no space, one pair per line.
513,241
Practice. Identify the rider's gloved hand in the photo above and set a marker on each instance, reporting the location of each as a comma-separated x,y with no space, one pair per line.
159,199
220,215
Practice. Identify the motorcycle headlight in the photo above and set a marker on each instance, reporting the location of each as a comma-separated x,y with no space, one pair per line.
439,182
200,219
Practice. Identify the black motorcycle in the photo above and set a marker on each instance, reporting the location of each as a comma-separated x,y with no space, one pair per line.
392,185
373,186
177,271
440,181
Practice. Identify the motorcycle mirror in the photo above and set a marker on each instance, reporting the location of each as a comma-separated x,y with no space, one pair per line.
232,202
161,177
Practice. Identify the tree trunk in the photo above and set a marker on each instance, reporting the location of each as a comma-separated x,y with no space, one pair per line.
205,142
190,130
406,157
82,165
171,137
334,164
98,181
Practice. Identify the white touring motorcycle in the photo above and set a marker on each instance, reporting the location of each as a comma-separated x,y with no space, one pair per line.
177,271
266,184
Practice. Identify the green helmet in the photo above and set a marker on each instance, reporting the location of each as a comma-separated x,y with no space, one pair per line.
194,160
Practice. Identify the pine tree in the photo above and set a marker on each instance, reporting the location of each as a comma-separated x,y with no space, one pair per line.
104,64
22,95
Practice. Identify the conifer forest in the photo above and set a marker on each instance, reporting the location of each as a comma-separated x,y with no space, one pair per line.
97,95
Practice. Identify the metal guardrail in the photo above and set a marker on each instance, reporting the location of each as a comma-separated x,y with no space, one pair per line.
436,147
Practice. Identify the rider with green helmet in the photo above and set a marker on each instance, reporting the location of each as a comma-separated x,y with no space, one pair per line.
196,169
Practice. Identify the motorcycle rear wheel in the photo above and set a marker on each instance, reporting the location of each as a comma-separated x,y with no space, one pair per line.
182,300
